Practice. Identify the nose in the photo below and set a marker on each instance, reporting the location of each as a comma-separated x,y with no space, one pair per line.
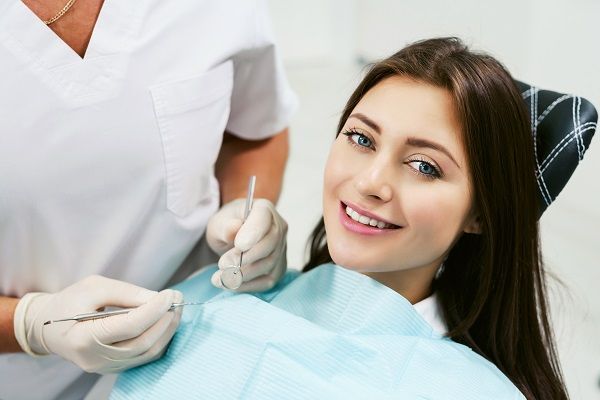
374,182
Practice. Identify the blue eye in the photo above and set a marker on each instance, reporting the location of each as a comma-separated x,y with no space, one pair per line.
361,140
358,139
426,169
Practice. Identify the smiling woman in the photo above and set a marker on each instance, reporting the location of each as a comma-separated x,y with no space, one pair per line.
424,279
391,164
434,140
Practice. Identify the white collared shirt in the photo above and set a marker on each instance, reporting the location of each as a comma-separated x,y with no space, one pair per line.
429,309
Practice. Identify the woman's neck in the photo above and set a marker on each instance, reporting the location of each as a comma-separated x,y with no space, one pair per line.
413,284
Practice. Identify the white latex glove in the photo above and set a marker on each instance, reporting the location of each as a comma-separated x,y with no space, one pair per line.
104,345
262,238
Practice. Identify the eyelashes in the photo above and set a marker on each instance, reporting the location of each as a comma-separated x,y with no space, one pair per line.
426,169
362,140
364,143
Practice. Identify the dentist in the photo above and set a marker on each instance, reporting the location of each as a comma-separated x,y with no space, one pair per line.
126,126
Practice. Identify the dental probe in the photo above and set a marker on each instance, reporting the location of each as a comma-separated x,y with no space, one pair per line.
233,275
104,314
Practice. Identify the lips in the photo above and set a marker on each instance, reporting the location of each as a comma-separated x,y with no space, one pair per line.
367,218
364,223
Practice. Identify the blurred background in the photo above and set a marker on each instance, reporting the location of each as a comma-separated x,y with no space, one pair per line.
548,43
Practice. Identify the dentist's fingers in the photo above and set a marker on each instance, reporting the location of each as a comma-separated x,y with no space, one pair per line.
260,250
215,279
262,239
104,292
258,285
264,282
155,334
221,233
270,266
259,222
157,349
127,326
131,348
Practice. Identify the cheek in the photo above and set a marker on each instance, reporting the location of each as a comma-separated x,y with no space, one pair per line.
334,166
338,170
332,178
437,216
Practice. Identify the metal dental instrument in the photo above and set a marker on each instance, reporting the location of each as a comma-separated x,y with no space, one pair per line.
104,314
232,277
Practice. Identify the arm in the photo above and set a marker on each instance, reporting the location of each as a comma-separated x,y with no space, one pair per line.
97,346
262,237
241,158
8,343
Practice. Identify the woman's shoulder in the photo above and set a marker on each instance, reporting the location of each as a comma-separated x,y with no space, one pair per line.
313,323
459,372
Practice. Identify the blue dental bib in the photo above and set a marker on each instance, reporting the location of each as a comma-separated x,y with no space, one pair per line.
330,333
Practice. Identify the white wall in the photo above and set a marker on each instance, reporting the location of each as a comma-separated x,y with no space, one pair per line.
315,32
550,43
385,26
566,57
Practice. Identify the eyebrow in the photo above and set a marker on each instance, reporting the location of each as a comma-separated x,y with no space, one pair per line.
367,121
411,141
418,142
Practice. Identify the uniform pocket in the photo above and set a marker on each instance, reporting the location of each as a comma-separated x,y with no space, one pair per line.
192,114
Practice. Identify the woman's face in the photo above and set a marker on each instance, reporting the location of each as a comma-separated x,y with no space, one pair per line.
397,192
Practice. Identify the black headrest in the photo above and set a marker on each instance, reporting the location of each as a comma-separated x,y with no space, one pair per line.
562,127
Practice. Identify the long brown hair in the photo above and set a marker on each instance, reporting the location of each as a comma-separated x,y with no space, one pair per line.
492,288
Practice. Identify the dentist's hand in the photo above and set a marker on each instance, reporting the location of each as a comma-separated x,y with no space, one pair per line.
104,345
262,238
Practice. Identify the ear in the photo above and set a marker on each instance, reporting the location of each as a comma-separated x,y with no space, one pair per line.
473,224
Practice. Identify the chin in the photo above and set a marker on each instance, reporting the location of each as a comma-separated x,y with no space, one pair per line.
354,262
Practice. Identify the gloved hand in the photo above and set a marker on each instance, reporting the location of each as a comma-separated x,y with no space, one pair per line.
104,345
262,238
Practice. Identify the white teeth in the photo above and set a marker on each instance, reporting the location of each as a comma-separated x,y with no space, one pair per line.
364,219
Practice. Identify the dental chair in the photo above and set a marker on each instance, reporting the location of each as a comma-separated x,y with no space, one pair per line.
562,126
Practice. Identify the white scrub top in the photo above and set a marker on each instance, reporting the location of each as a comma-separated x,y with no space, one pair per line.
106,162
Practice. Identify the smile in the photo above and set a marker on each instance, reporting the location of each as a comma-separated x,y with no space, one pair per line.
363,224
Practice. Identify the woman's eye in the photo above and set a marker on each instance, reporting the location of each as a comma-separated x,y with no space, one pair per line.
361,140
426,169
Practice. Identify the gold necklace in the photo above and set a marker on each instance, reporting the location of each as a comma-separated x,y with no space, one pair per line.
61,12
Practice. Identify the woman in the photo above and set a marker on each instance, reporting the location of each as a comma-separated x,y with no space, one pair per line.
419,197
